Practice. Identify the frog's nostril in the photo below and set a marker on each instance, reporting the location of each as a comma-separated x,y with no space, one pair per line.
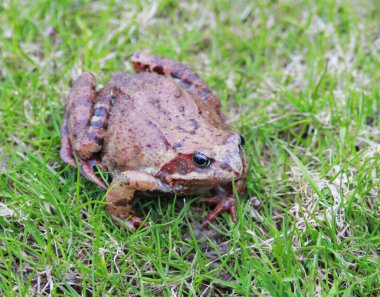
242,140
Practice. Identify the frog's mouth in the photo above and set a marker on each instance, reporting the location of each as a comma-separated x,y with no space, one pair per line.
194,187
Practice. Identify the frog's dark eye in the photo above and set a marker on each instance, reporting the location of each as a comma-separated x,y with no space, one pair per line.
201,160
242,140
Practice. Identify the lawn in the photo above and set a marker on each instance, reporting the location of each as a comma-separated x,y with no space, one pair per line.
301,82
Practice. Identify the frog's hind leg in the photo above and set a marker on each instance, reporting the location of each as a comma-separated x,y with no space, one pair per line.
86,114
67,156
66,152
84,125
189,80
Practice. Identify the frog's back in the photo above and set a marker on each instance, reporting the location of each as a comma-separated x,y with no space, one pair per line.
152,118
164,99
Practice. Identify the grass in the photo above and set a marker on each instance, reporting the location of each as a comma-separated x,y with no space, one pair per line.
301,82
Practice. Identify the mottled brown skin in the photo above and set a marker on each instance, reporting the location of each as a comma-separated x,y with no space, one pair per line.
145,128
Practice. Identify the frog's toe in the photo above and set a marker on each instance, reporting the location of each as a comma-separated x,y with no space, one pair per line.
67,156
88,172
131,223
225,204
213,201
66,151
135,222
97,163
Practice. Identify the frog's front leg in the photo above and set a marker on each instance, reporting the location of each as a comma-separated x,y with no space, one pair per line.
189,79
122,190
83,127
223,201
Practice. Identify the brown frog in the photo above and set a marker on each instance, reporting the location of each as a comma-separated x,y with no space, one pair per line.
158,130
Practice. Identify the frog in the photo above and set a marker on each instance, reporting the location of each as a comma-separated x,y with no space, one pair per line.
157,131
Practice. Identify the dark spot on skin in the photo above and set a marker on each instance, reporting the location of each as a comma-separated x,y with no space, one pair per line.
158,69
100,112
112,98
157,104
122,202
181,109
192,131
94,138
99,124
140,67
163,136
195,123
184,85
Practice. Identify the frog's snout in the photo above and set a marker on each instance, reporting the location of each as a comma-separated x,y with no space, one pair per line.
236,159
236,163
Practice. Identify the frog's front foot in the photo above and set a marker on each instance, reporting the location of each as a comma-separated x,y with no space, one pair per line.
130,222
120,197
122,215
221,204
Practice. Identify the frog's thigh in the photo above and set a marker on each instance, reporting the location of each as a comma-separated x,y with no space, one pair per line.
86,115
190,80
92,139
122,191
79,109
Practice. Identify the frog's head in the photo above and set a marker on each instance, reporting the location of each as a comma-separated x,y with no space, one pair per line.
205,165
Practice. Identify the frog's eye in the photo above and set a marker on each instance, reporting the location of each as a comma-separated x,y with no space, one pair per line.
242,140
201,160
